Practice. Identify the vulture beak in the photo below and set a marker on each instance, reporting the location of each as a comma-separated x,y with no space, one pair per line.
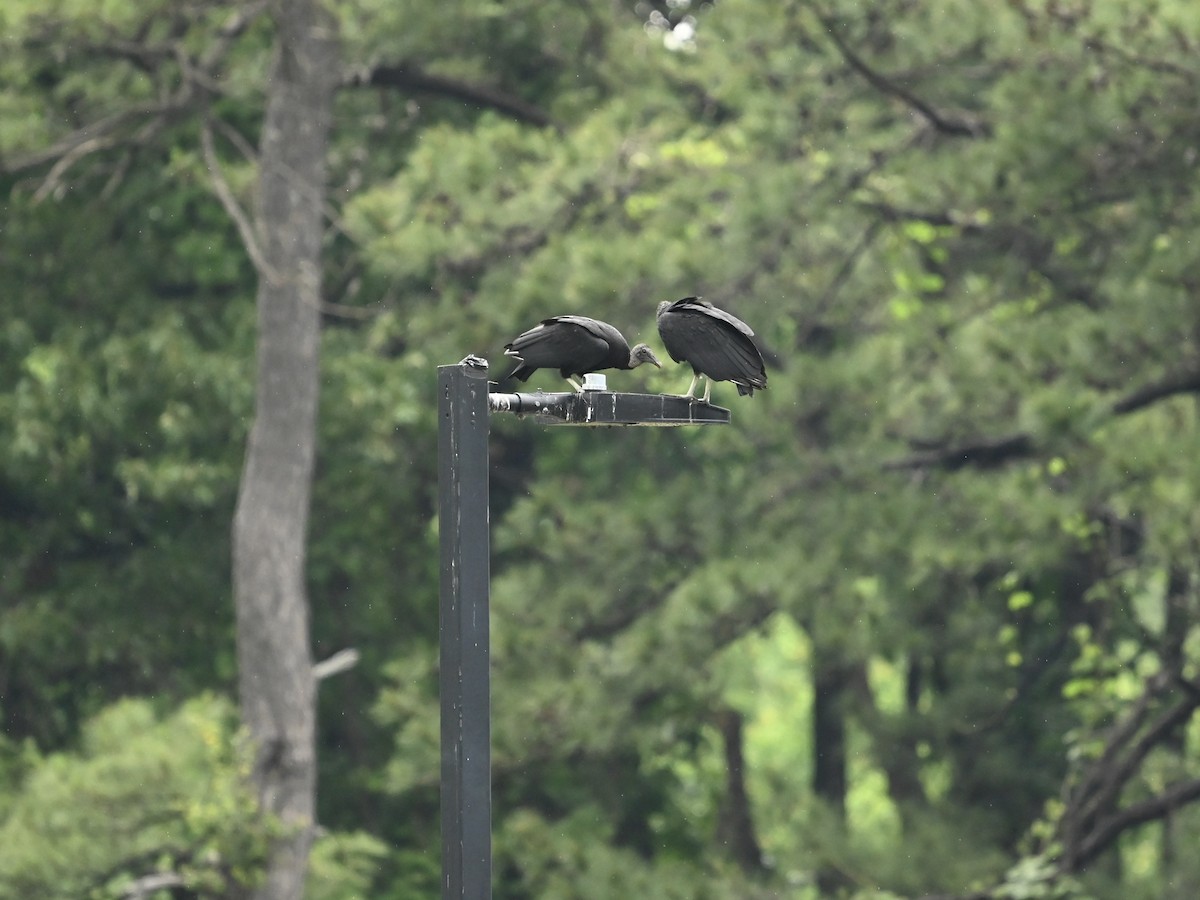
643,354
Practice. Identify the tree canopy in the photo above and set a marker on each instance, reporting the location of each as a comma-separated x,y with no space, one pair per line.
920,622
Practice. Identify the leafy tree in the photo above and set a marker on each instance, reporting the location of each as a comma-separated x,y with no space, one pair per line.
920,621
927,489
147,804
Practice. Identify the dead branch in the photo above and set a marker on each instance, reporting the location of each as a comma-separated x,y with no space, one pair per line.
91,137
109,131
955,127
342,661
986,453
1120,734
1117,774
54,177
410,78
846,269
1156,807
149,885
237,139
1179,383
246,229
1092,820
233,28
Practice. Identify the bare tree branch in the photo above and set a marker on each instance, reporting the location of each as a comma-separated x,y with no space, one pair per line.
54,177
1148,810
956,127
148,885
1114,778
247,230
93,136
235,137
342,661
346,311
845,270
1153,64
987,453
233,28
891,213
1120,734
1179,383
411,78
140,138
106,132
1091,820
984,453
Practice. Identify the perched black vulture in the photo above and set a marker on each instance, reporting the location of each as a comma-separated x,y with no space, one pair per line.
715,343
575,345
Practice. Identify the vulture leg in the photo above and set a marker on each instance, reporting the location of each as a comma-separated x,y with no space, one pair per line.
692,386
707,388
575,384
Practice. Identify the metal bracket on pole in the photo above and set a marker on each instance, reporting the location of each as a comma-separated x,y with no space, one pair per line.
464,408
609,408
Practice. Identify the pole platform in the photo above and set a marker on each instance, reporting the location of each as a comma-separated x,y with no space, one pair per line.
609,408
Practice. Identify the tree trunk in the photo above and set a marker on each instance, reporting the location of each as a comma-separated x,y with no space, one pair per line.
830,686
735,823
269,527
895,750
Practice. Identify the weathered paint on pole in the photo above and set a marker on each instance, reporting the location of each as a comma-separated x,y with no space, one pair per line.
466,799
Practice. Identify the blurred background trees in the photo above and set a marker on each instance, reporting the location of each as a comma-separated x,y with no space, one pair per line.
921,622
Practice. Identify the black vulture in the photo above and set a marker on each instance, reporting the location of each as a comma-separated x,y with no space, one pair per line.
716,343
575,345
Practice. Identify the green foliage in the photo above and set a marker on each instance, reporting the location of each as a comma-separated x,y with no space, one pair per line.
564,859
143,794
1038,878
343,866
964,233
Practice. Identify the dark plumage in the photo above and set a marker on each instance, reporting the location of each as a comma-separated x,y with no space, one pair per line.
575,345
715,343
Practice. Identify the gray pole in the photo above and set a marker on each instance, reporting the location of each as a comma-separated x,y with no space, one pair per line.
463,674
464,407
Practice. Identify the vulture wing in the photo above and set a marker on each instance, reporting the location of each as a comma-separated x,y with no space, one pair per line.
570,344
716,343
704,308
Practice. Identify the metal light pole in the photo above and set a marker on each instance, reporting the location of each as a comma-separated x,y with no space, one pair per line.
464,407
